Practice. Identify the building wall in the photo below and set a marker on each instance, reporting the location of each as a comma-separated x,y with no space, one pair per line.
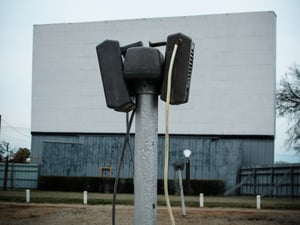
212,157
228,122
232,88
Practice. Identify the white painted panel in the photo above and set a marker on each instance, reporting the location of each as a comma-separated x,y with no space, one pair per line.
233,80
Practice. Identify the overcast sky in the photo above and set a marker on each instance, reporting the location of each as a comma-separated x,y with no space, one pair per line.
17,18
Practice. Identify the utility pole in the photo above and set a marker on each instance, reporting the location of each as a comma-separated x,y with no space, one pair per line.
5,149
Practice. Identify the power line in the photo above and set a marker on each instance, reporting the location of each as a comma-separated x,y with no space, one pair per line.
15,128
6,136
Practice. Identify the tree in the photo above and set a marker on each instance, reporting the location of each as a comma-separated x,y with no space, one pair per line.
21,155
7,155
5,152
10,155
288,104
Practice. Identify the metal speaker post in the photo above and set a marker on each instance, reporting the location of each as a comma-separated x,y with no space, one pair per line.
145,159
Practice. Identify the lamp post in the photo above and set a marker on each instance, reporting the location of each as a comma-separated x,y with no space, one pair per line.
187,154
178,166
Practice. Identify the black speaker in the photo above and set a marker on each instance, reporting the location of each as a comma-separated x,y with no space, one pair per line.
111,67
182,68
143,63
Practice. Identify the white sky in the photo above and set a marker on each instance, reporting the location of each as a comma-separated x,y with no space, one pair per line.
17,18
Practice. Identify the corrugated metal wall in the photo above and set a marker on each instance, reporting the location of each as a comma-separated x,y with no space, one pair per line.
212,157
37,142
20,175
257,151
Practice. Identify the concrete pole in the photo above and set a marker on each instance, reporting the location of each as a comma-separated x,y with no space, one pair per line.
145,158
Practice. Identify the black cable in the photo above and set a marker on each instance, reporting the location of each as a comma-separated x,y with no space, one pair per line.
131,158
126,141
129,146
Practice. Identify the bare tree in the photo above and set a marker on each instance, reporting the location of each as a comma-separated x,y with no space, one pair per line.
288,104
4,150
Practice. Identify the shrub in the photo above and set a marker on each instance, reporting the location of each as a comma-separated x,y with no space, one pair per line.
106,185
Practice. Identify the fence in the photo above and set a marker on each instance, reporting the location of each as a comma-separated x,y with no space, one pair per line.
20,175
275,180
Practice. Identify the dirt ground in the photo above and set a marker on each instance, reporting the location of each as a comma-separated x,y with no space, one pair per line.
48,214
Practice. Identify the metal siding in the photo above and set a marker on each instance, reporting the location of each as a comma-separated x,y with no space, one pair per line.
86,158
257,151
38,140
212,157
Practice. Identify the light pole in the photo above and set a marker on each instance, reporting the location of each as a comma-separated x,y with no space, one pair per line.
187,154
178,166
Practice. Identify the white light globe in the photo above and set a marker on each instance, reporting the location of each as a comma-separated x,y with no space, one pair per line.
187,153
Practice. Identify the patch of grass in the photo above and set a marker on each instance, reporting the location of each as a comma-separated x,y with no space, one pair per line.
128,199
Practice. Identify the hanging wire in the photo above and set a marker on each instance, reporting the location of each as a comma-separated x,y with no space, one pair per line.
166,164
15,128
126,142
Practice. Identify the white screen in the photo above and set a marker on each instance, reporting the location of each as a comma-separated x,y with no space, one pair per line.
232,86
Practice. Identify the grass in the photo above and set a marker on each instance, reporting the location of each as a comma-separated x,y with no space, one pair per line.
56,197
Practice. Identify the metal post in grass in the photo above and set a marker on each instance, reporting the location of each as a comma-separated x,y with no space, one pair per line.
27,196
179,167
142,75
145,159
187,154
201,200
258,201
85,197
